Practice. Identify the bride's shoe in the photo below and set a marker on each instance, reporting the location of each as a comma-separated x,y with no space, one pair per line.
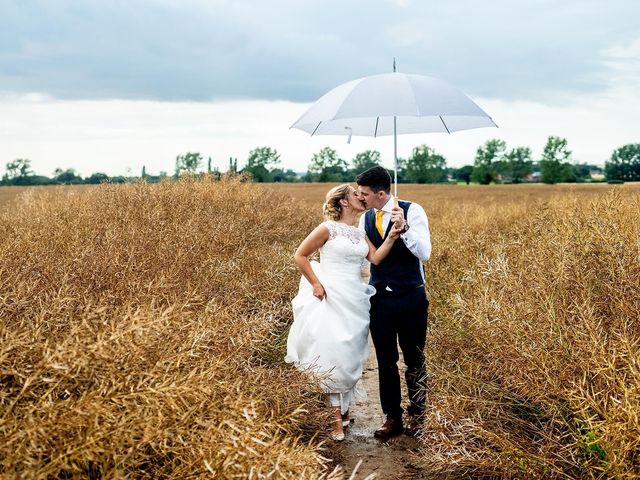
337,434
346,421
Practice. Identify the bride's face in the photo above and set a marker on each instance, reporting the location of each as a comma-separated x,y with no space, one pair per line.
354,200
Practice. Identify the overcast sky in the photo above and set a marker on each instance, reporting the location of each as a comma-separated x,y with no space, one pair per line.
113,85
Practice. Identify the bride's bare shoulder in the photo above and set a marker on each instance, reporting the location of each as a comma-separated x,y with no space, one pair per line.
330,226
326,228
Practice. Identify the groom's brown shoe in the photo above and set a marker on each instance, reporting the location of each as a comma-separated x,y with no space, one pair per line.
413,426
390,428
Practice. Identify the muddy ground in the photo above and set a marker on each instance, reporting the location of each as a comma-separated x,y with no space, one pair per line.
393,460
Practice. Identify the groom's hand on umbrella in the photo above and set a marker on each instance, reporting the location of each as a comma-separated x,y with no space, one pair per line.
397,217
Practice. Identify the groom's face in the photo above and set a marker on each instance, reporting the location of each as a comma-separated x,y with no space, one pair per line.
370,198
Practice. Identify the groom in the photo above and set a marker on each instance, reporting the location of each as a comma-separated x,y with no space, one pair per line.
399,307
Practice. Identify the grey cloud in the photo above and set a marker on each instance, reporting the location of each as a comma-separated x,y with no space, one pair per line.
294,50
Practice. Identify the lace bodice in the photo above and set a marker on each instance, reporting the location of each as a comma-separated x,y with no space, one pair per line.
346,245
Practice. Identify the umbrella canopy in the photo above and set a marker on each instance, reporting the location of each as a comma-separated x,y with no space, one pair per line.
370,106
392,103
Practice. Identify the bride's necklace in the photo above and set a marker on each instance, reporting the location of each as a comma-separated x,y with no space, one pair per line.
344,223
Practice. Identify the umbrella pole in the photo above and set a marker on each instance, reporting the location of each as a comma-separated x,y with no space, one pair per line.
395,151
395,160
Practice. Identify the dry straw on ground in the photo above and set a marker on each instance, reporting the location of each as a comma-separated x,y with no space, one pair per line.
534,350
142,329
141,332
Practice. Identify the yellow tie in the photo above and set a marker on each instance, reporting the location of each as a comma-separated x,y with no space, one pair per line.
379,215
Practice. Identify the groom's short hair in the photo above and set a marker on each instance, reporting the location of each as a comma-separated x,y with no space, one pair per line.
376,178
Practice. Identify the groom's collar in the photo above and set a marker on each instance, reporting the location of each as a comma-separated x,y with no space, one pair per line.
387,207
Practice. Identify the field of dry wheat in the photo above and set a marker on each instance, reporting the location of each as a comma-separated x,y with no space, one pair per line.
142,327
534,346
141,335
9,194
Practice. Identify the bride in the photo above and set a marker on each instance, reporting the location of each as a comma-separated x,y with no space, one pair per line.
331,310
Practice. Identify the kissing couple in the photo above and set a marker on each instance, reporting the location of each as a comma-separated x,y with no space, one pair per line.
334,310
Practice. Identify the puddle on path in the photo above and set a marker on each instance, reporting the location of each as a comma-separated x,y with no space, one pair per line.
393,460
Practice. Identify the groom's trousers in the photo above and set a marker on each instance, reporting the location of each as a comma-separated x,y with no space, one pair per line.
400,319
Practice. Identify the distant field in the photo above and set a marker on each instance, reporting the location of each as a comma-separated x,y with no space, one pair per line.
8,194
434,194
423,194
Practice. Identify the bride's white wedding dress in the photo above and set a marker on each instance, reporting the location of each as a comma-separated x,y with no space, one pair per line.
329,337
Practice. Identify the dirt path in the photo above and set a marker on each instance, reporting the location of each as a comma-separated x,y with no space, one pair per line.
393,460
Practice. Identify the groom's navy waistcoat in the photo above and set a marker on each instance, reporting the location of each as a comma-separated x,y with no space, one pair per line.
400,270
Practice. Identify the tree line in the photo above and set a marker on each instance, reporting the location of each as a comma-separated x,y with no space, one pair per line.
493,163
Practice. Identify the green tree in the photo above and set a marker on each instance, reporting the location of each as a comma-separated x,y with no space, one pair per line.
143,175
67,177
365,160
463,173
96,178
582,171
326,166
259,163
233,165
402,170
39,180
188,163
486,165
280,175
425,166
554,164
624,163
17,172
517,164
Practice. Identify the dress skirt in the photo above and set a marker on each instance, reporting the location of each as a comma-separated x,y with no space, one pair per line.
329,338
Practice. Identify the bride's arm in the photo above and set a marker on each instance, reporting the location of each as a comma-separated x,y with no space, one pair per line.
376,256
316,239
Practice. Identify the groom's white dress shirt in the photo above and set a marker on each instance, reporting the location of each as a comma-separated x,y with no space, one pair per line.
417,239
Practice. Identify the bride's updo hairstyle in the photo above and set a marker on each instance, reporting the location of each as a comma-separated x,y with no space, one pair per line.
331,208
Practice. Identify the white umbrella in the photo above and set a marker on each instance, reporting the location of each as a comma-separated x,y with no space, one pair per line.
391,104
